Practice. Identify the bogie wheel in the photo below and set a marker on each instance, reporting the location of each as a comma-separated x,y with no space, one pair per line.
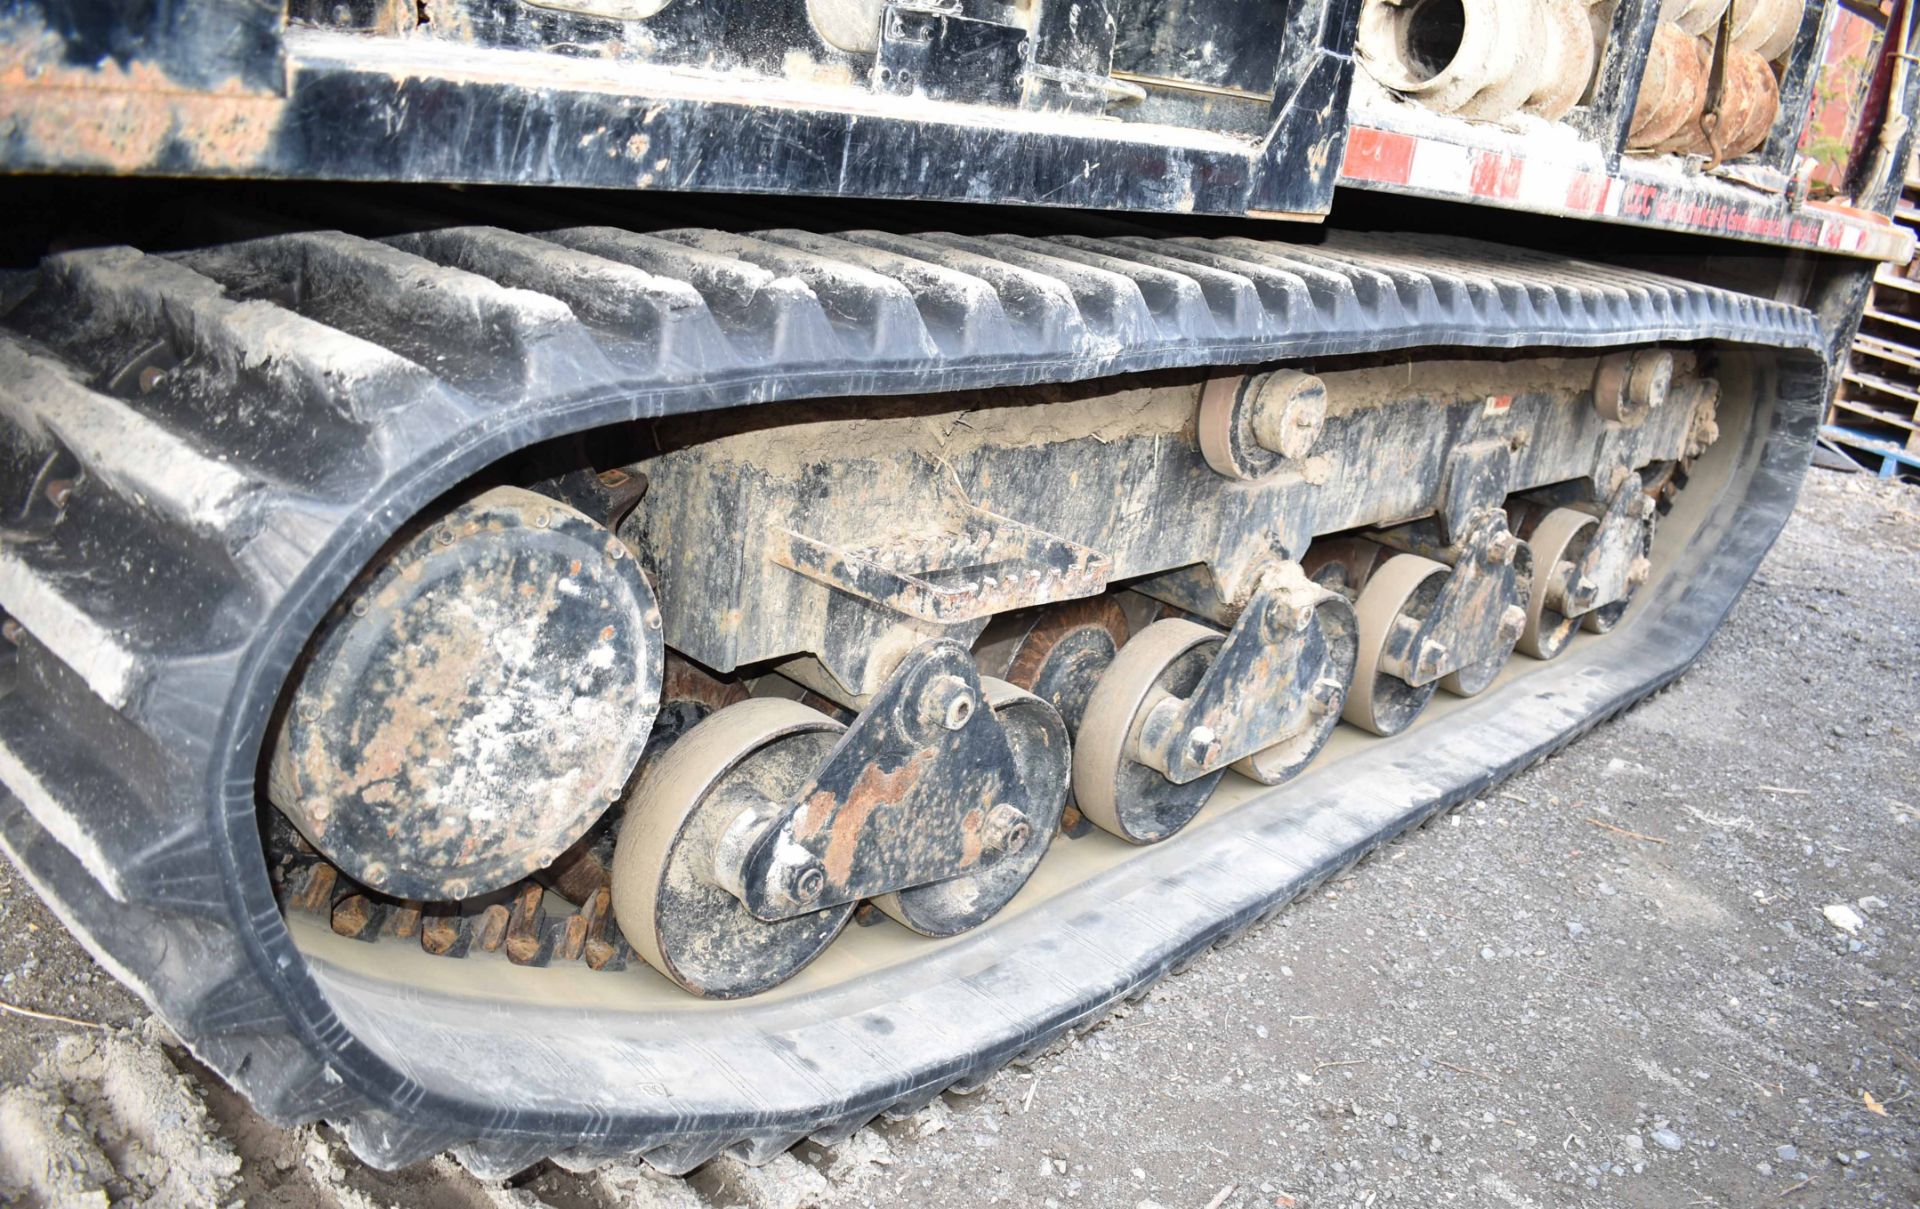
665,896
1561,536
1129,799
1043,756
1403,585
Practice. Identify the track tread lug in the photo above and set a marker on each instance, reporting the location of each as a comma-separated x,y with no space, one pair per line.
1040,308
874,315
490,341
1112,308
766,316
648,322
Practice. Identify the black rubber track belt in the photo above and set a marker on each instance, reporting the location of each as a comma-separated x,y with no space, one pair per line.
320,389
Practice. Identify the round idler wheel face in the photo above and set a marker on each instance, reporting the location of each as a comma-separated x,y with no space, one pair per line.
1561,536
1405,584
1129,799
1329,656
1044,758
665,896
475,703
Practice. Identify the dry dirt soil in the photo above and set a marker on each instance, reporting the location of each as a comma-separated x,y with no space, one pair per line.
1623,978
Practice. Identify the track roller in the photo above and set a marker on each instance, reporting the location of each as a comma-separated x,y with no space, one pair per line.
1182,702
1044,759
665,895
749,842
1588,562
1435,615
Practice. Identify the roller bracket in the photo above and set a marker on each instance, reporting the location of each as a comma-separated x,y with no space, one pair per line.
922,786
1282,669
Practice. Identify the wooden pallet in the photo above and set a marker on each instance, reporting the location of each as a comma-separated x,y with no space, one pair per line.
1875,415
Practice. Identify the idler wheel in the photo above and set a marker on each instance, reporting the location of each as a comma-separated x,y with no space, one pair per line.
474,703
1390,614
1044,759
666,896
1130,799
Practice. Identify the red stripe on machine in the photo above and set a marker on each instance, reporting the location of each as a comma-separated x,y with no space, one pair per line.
1377,155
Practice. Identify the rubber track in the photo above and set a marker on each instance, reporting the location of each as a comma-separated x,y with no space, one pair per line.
328,387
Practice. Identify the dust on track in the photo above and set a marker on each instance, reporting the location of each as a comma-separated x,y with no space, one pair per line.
1523,1005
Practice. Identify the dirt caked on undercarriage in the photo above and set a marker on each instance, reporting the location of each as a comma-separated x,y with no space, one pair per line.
745,673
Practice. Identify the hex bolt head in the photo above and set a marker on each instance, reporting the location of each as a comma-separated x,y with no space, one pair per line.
59,491
150,379
1433,656
11,631
947,702
375,874
1643,506
1327,696
1638,571
1203,746
806,883
1512,622
1006,830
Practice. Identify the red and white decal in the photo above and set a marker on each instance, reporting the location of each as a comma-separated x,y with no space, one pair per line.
1439,167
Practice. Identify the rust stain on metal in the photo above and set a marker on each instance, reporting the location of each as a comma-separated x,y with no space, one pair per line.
439,934
404,921
848,818
124,119
970,845
353,915
523,928
493,928
315,893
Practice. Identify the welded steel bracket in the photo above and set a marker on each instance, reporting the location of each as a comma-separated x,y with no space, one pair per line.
922,787
1481,607
1282,669
1616,562
976,565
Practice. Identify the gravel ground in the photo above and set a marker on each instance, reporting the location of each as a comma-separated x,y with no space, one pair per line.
1675,965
